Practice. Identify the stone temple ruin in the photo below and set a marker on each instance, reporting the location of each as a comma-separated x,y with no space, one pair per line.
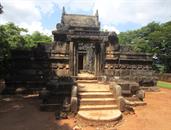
85,71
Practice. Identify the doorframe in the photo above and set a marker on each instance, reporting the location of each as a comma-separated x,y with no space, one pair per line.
99,58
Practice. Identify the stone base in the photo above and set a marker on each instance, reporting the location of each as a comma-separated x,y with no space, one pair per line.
151,89
135,103
101,115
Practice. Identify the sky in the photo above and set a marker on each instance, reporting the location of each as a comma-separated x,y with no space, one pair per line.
114,15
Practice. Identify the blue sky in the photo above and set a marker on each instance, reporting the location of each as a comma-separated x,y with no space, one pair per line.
115,15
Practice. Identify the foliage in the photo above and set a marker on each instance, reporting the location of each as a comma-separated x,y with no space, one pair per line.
1,9
153,38
11,38
38,37
35,38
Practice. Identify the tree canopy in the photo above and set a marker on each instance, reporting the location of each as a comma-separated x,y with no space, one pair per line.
1,9
153,38
11,37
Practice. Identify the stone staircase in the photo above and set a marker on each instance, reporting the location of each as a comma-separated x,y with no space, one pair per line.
96,102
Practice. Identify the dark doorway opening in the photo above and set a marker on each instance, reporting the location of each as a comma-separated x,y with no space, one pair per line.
80,62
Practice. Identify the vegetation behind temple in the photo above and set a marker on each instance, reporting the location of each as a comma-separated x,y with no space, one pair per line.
153,38
13,37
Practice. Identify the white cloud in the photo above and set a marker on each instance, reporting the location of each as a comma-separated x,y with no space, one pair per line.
80,5
35,26
25,14
29,13
134,11
110,28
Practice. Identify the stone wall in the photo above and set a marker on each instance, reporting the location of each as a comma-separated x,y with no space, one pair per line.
32,69
164,77
127,65
28,69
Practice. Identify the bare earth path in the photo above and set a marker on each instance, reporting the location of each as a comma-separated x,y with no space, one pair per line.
25,115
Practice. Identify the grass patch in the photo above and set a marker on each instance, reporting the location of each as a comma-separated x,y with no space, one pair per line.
163,84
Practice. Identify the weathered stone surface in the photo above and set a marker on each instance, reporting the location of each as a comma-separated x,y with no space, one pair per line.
20,90
116,89
77,128
74,105
140,94
101,115
121,103
44,93
2,85
97,102
74,91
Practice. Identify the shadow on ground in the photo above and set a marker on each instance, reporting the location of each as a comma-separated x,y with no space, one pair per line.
24,114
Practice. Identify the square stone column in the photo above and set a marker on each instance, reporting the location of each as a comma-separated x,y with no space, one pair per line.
97,59
102,58
75,52
71,58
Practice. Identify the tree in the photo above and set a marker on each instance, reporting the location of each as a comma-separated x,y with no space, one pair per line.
11,38
38,37
153,38
1,9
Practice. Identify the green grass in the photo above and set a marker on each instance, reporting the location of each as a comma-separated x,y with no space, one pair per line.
163,84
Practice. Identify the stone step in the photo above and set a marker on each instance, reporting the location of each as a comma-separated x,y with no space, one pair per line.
93,87
100,115
98,107
84,78
87,81
93,84
97,101
92,90
95,94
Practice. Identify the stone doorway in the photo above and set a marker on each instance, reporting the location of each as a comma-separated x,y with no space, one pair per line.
85,57
80,62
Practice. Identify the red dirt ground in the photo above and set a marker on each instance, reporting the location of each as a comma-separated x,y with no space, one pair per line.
24,114
156,115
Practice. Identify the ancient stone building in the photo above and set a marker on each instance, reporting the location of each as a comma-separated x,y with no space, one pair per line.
80,43
80,47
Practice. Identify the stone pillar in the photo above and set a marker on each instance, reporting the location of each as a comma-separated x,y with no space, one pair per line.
71,58
75,59
102,58
97,59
